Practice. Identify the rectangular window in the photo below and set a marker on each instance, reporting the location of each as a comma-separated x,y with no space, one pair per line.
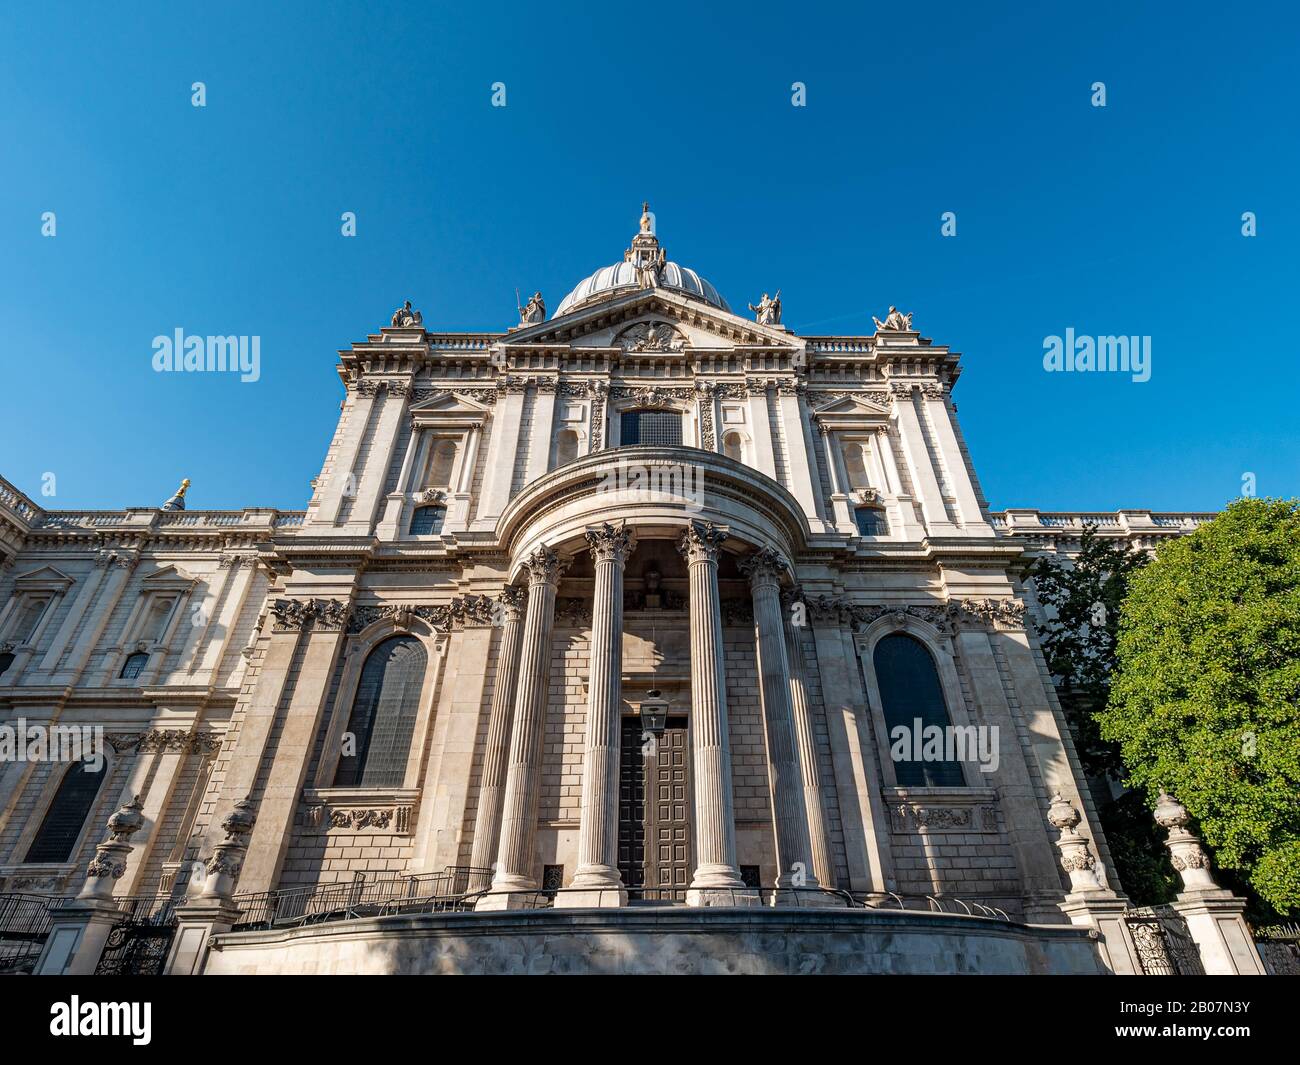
871,521
651,427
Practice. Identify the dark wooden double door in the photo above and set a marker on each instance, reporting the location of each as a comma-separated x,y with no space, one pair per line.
654,812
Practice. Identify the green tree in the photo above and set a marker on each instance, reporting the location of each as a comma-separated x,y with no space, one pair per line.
1084,597
1206,698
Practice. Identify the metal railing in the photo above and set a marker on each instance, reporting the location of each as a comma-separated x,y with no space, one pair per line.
362,896
948,904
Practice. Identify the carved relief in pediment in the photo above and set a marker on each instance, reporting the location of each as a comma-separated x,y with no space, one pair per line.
652,336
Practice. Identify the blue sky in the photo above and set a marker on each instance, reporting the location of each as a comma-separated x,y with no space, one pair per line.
226,219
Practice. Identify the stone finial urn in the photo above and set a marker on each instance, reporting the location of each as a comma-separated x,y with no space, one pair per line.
1076,856
109,863
127,821
227,860
1186,854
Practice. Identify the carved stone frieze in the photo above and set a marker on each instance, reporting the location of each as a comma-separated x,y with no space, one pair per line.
941,816
326,615
651,337
946,617
176,741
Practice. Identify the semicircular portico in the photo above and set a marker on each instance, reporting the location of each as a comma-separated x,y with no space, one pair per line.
657,491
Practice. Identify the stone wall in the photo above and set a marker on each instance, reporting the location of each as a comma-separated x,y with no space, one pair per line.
664,941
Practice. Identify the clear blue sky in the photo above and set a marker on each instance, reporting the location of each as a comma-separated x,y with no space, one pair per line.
225,219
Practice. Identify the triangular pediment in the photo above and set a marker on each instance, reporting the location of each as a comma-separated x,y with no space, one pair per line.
44,575
659,321
166,576
449,401
851,405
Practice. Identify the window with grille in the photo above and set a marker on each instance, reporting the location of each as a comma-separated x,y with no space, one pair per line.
66,816
427,520
911,696
134,665
871,521
751,875
552,877
651,427
383,716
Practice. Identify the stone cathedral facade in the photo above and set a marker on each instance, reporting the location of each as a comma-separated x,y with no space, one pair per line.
622,605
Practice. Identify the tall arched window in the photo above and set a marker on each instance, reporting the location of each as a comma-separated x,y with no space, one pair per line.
913,703
566,447
66,817
383,716
650,427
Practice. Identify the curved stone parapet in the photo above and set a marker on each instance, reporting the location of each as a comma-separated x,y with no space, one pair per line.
658,490
748,940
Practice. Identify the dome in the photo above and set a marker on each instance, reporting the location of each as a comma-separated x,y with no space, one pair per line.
631,275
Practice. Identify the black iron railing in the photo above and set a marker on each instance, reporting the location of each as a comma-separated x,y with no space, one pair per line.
363,896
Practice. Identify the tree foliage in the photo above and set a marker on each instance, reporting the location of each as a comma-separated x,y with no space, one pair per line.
1083,597
1205,701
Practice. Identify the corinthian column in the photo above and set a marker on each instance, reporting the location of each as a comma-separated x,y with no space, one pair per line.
789,814
812,784
513,886
597,881
716,880
487,822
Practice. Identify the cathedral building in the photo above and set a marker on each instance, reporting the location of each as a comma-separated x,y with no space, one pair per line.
645,607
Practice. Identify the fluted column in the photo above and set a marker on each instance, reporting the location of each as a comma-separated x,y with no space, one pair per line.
808,769
716,877
598,831
487,821
790,817
513,885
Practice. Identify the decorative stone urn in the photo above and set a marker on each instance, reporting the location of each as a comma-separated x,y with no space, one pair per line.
1187,855
1076,855
109,863
227,859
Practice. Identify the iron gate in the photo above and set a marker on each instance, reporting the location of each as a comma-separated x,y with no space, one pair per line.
1164,945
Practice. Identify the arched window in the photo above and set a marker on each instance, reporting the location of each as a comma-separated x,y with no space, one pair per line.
427,520
6,660
650,427
912,697
66,817
134,665
871,521
383,716
733,447
566,447
441,461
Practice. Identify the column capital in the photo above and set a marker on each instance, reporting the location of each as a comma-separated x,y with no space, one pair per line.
610,543
545,566
764,566
700,542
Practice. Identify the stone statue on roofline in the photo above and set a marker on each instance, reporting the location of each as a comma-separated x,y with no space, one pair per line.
768,311
895,322
533,311
404,316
